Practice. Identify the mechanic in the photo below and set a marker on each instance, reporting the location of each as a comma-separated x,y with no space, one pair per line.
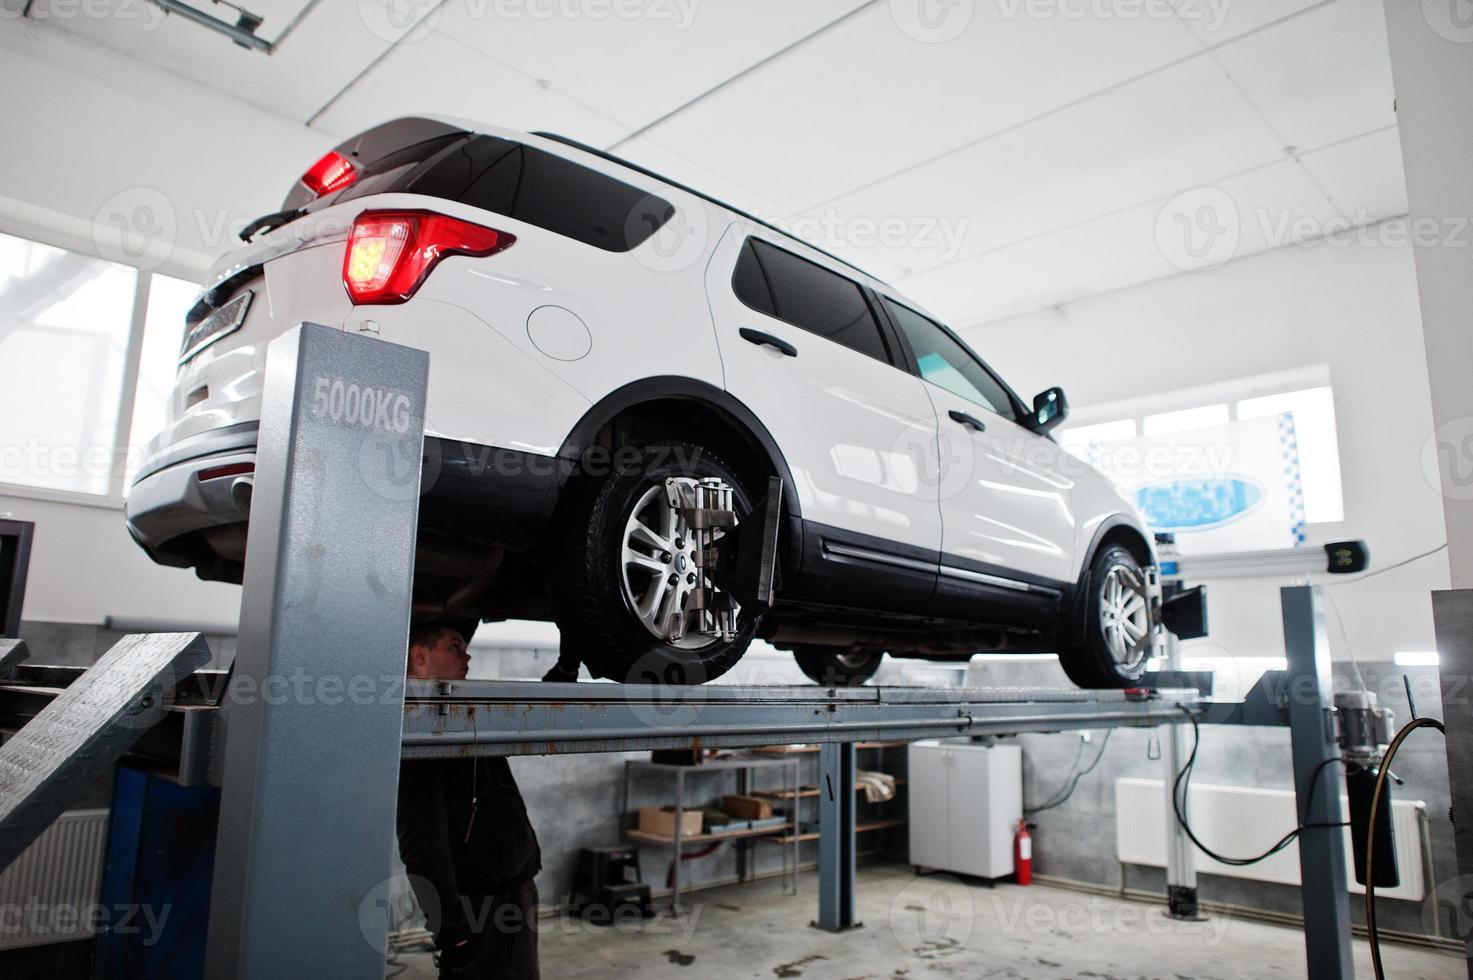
465,839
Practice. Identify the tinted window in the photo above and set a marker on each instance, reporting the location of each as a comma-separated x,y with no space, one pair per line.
947,364
521,182
809,296
749,282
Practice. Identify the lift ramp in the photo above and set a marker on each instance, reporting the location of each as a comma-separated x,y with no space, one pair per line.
82,732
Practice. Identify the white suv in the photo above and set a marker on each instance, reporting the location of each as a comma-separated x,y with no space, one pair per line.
596,330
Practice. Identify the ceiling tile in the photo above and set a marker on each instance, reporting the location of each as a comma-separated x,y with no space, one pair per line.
1231,219
1216,21
635,68
1166,132
1321,77
435,74
867,99
324,53
1363,176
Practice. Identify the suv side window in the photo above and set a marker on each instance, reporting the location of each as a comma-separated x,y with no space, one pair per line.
805,294
947,364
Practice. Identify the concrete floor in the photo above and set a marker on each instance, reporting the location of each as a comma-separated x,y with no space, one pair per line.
938,926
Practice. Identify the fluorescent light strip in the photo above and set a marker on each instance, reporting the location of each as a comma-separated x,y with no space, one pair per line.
1416,658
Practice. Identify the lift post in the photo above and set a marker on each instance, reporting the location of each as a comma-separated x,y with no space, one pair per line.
1323,884
313,720
837,806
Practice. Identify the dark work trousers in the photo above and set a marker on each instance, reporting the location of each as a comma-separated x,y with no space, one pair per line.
471,855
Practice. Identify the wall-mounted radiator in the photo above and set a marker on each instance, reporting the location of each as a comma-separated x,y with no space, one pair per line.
1239,822
49,894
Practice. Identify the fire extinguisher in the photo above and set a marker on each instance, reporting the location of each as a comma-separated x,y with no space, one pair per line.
1023,853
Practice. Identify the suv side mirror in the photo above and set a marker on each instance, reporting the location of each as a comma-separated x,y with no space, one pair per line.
1049,409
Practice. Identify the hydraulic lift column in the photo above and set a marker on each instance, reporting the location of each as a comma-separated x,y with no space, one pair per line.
313,719
837,805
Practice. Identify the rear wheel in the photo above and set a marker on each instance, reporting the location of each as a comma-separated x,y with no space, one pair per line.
838,666
630,574
1117,624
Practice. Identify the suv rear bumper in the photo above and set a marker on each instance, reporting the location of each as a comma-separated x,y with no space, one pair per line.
499,496
168,500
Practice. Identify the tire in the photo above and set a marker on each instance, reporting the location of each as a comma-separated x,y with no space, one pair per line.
838,666
599,593
1110,657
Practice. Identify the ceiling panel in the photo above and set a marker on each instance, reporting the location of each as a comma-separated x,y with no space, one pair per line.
1216,21
323,54
435,74
636,69
651,154
1320,77
867,100
1163,133
1363,176
1245,215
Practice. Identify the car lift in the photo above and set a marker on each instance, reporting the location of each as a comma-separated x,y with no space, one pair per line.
305,733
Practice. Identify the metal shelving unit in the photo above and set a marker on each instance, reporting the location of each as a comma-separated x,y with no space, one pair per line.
743,767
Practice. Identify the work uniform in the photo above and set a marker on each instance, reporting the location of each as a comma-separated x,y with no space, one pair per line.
471,854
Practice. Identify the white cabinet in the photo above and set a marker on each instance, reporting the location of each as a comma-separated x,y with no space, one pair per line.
966,799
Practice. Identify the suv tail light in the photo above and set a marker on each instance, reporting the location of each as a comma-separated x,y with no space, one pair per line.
332,173
391,252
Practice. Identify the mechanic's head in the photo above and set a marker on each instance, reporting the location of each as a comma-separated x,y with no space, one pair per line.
438,650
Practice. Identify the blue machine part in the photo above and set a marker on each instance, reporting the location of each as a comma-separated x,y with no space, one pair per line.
160,858
1197,505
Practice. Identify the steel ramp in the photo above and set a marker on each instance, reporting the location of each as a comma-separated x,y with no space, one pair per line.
80,735
13,653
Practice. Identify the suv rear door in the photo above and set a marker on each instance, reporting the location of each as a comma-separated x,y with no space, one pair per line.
803,347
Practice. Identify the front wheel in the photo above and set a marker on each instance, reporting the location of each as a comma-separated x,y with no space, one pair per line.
1117,624
838,666
629,563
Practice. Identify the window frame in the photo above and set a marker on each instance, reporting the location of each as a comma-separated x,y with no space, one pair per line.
132,361
1020,411
882,325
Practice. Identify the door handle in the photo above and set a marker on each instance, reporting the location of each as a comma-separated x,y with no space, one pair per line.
768,340
970,421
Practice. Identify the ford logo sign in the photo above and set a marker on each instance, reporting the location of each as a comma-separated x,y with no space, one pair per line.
1196,505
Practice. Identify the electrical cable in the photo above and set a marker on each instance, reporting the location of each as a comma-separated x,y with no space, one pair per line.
1371,932
1345,635
1073,784
1183,784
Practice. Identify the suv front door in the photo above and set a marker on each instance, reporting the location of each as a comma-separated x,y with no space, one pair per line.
1006,510
802,346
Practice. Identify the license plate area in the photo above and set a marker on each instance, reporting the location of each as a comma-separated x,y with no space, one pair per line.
219,323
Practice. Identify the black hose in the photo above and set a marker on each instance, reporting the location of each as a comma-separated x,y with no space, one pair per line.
1183,783
1371,932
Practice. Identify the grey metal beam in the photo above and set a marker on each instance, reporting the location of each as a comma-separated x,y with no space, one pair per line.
528,718
1452,618
837,806
311,754
78,736
1323,884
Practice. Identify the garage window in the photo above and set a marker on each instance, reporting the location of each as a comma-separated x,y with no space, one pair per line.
805,294
71,385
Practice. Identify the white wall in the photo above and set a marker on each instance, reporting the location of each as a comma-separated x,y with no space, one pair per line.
92,137
89,134
1353,308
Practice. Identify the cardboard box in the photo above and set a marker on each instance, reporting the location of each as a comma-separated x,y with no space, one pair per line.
747,807
660,820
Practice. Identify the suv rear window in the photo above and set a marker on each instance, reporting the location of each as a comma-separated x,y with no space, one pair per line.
516,180
805,294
